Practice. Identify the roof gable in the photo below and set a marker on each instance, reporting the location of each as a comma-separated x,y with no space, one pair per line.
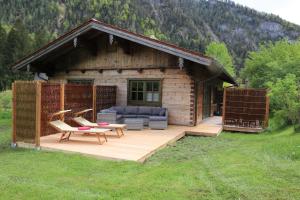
93,24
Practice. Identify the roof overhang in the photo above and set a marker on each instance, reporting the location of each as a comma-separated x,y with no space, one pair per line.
118,32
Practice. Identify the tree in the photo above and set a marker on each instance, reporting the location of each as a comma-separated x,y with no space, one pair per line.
272,61
41,37
17,45
3,36
220,52
276,66
284,100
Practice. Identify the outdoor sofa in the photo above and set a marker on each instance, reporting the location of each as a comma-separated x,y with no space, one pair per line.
135,117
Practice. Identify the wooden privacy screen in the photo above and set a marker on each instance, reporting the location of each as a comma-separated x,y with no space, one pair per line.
51,102
35,101
26,103
245,110
105,97
78,98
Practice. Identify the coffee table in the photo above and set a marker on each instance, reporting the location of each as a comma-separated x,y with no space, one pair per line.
134,123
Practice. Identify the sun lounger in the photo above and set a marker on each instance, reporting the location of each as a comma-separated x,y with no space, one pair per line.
67,130
84,122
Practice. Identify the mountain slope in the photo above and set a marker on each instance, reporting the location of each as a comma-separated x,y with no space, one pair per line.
188,23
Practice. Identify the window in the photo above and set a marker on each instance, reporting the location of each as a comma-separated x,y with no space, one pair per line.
144,92
81,81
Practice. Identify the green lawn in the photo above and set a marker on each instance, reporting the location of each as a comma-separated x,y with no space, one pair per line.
232,166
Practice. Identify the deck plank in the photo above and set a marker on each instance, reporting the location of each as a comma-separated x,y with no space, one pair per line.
134,146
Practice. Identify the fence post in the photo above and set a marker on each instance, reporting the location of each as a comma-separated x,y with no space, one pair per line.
94,102
224,105
62,100
38,113
14,136
266,124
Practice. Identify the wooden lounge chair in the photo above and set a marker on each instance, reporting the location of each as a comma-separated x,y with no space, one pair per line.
84,122
67,130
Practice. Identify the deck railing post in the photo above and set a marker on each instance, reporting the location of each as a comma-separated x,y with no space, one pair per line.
38,114
14,138
223,109
62,100
266,124
94,102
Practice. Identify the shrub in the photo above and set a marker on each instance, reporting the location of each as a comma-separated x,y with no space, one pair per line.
284,100
5,104
5,100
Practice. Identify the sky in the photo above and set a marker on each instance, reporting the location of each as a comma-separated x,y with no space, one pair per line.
286,9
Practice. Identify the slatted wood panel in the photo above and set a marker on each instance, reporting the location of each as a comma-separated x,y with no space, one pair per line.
246,109
35,101
50,102
25,106
105,97
77,98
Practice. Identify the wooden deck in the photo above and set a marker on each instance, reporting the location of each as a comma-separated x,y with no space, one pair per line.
134,146
210,127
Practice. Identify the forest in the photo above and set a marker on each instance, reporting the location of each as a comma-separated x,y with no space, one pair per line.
258,49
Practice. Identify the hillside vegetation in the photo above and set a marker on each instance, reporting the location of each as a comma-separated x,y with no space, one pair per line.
190,23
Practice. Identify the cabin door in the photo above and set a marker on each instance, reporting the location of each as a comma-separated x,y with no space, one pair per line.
206,101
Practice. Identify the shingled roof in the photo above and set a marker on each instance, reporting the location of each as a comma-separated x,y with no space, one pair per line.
94,24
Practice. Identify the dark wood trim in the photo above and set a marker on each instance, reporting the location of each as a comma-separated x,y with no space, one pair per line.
108,68
224,105
195,102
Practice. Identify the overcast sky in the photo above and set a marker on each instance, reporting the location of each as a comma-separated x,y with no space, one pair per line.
286,9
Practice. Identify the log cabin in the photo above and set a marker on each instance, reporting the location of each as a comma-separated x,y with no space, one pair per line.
146,71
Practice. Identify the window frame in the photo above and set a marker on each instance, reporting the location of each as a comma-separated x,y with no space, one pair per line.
143,102
80,81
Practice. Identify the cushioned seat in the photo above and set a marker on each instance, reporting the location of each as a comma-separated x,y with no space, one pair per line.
144,110
158,118
154,117
129,116
142,116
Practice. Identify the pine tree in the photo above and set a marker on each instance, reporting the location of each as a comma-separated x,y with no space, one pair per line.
41,37
18,44
3,36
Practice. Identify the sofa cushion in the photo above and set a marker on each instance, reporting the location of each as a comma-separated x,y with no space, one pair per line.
108,111
131,110
142,116
158,118
156,111
144,110
129,116
162,112
120,109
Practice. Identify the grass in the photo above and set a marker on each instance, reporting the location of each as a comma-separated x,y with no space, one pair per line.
232,166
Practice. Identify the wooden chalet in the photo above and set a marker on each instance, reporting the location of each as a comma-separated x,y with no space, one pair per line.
145,71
